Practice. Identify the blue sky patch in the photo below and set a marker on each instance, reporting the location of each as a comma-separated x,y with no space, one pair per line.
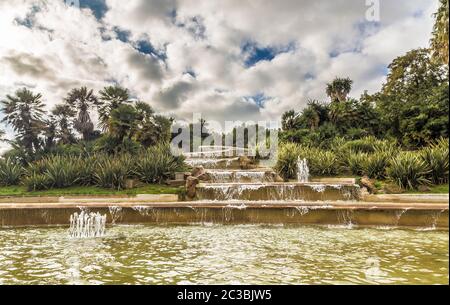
254,53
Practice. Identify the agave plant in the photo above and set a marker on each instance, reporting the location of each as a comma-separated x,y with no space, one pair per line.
11,172
324,163
375,164
408,171
37,182
112,172
287,160
436,159
355,162
157,163
61,171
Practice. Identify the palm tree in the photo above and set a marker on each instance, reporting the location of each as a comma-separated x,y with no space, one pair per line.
439,41
339,89
311,117
123,122
289,120
82,100
62,114
111,98
24,111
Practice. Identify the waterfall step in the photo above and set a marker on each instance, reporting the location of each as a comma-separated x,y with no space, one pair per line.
308,191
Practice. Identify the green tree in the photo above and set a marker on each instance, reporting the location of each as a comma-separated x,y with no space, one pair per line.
82,100
24,112
62,115
111,98
123,122
289,120
439,41
415,85
339,88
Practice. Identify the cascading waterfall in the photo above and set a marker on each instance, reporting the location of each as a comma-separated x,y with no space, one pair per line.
86,225
302,170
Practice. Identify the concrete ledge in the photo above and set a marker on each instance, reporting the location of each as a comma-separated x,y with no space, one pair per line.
408,198
92,199
329,213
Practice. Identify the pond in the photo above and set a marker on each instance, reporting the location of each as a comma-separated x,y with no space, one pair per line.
225,254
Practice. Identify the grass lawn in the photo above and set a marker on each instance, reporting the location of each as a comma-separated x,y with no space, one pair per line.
435,189
88,190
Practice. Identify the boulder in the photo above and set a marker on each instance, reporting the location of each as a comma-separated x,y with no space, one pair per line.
391,188
423,188
276,177
197,171
246,163
368,183
191,184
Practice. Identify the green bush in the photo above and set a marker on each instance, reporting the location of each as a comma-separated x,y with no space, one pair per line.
37,182
408,170
355,162
157,164
375,164
11,172
323,163
112,172
60,171
287,160
436,159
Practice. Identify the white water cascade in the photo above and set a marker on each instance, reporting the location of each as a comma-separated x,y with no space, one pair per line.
302,170
85,225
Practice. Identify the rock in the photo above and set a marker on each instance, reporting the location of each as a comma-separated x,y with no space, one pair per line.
363,192
368,183
391,188
197,171
276,177
204,177
130,183
423,188
191,184
246,163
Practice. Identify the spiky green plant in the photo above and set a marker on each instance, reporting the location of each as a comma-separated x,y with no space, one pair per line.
37,182
11,172
375,164
61,171
408,170
287,160
157,164
323,163
355,162
436,159
113,172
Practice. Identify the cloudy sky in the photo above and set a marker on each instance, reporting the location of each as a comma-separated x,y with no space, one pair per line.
228,59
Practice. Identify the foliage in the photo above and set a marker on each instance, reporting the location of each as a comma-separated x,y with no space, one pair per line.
11,172
339,88
439,41
436,158
408,170
157,164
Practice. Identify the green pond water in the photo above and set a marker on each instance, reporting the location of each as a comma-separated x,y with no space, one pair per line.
217,254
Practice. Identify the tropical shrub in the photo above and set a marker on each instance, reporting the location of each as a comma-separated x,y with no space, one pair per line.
112,172
355,162
408,170
11,172
37,182
157,163
323,162
60,171
287,160
375,164
436,159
